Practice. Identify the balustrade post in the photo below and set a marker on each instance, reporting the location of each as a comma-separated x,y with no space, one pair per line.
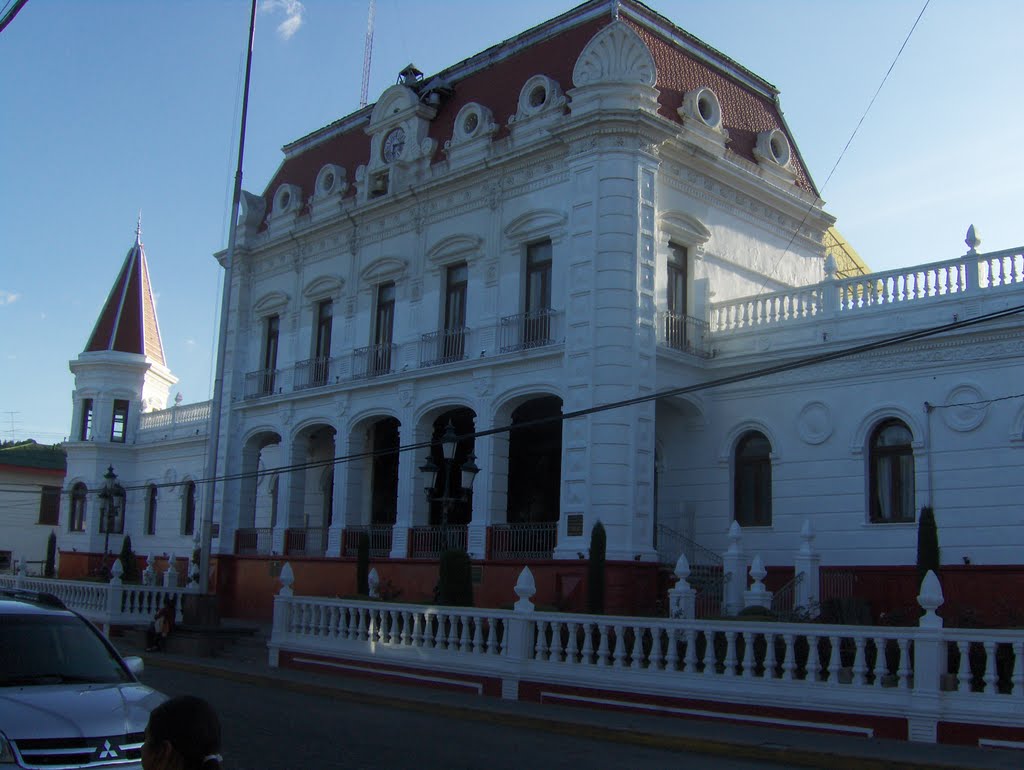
830,289
115,591
682,599
282,609
807,562
757,596
519,641
735,567
929,664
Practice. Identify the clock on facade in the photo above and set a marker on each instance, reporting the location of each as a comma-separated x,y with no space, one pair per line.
394,142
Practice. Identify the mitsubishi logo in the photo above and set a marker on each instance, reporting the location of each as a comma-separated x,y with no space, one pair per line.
108,751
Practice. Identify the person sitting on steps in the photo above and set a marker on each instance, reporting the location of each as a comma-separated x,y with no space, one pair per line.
161,627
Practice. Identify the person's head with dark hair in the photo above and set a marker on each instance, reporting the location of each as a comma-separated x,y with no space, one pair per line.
183,734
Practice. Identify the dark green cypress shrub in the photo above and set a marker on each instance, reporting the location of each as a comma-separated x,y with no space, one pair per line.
128,561
363,564
456,579
50,570
595,570
927,544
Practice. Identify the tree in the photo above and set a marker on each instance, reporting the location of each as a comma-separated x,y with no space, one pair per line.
129,563
363,564
595,570
928,557
50,570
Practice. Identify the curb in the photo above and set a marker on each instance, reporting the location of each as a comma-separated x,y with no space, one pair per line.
785,755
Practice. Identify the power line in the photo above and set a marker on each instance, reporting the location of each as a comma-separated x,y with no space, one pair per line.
793,365
849,141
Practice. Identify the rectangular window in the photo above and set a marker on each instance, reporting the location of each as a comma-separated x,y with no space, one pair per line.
453,343
320,365
76,521
675,318
119,425
85,427
537,320
49,506
383,329
5,561
271,333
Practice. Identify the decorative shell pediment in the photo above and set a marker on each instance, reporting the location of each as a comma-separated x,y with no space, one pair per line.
455,248
384,269
270,303
534,224
396,101
324,287
616,54
688,230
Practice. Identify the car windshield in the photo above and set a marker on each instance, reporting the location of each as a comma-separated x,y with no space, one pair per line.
54,649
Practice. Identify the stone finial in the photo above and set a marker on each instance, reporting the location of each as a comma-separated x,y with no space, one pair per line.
830,267
930,599
758,573
287,577
525,589
973,240
682,570
807,536
735,534
373,581
115,572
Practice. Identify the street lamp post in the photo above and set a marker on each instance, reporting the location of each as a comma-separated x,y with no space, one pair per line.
447,498
111,501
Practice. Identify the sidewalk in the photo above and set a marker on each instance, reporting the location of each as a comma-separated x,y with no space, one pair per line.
795,748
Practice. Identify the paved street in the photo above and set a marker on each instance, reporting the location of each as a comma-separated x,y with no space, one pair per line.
276,729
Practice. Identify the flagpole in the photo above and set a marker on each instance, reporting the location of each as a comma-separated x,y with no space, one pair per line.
213,445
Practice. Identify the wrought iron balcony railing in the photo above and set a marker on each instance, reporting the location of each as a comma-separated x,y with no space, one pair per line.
526,330
373,361
533,540
261,383
684,333
380,540
312,373
443,347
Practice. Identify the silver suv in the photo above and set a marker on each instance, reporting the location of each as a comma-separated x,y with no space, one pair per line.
67,699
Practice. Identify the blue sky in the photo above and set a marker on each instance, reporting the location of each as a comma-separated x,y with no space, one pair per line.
110,107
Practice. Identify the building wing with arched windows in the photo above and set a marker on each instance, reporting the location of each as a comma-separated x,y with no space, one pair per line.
602,210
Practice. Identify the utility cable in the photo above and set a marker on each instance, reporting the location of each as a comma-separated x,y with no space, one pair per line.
732,379
849,141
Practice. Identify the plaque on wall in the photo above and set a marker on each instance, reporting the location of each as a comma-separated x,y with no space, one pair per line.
574,525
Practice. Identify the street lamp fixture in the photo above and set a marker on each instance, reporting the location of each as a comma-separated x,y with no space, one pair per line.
448,498
111,504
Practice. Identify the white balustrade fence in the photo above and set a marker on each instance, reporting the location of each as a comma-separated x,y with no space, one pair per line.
970,274
105,604
924,674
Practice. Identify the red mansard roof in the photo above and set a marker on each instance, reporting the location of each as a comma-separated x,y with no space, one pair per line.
128,322
495,77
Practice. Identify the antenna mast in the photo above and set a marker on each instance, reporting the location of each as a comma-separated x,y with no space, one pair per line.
367,55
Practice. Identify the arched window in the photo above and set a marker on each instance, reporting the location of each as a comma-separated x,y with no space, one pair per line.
151,495
188,510
76,521
891,473
753,481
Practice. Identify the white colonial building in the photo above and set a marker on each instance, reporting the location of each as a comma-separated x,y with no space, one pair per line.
582,248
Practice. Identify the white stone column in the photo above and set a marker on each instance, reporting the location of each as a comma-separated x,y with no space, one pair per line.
339,509
409,487
808,562
285,485
735,567
483,513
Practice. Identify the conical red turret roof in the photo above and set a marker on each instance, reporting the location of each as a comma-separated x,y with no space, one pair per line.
128,322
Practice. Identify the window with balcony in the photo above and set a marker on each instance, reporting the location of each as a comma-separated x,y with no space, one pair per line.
676,307
753,481
537,318
316,371
85,426
76,519
453,345
383,331
271,335
119,423
891,473
49,506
